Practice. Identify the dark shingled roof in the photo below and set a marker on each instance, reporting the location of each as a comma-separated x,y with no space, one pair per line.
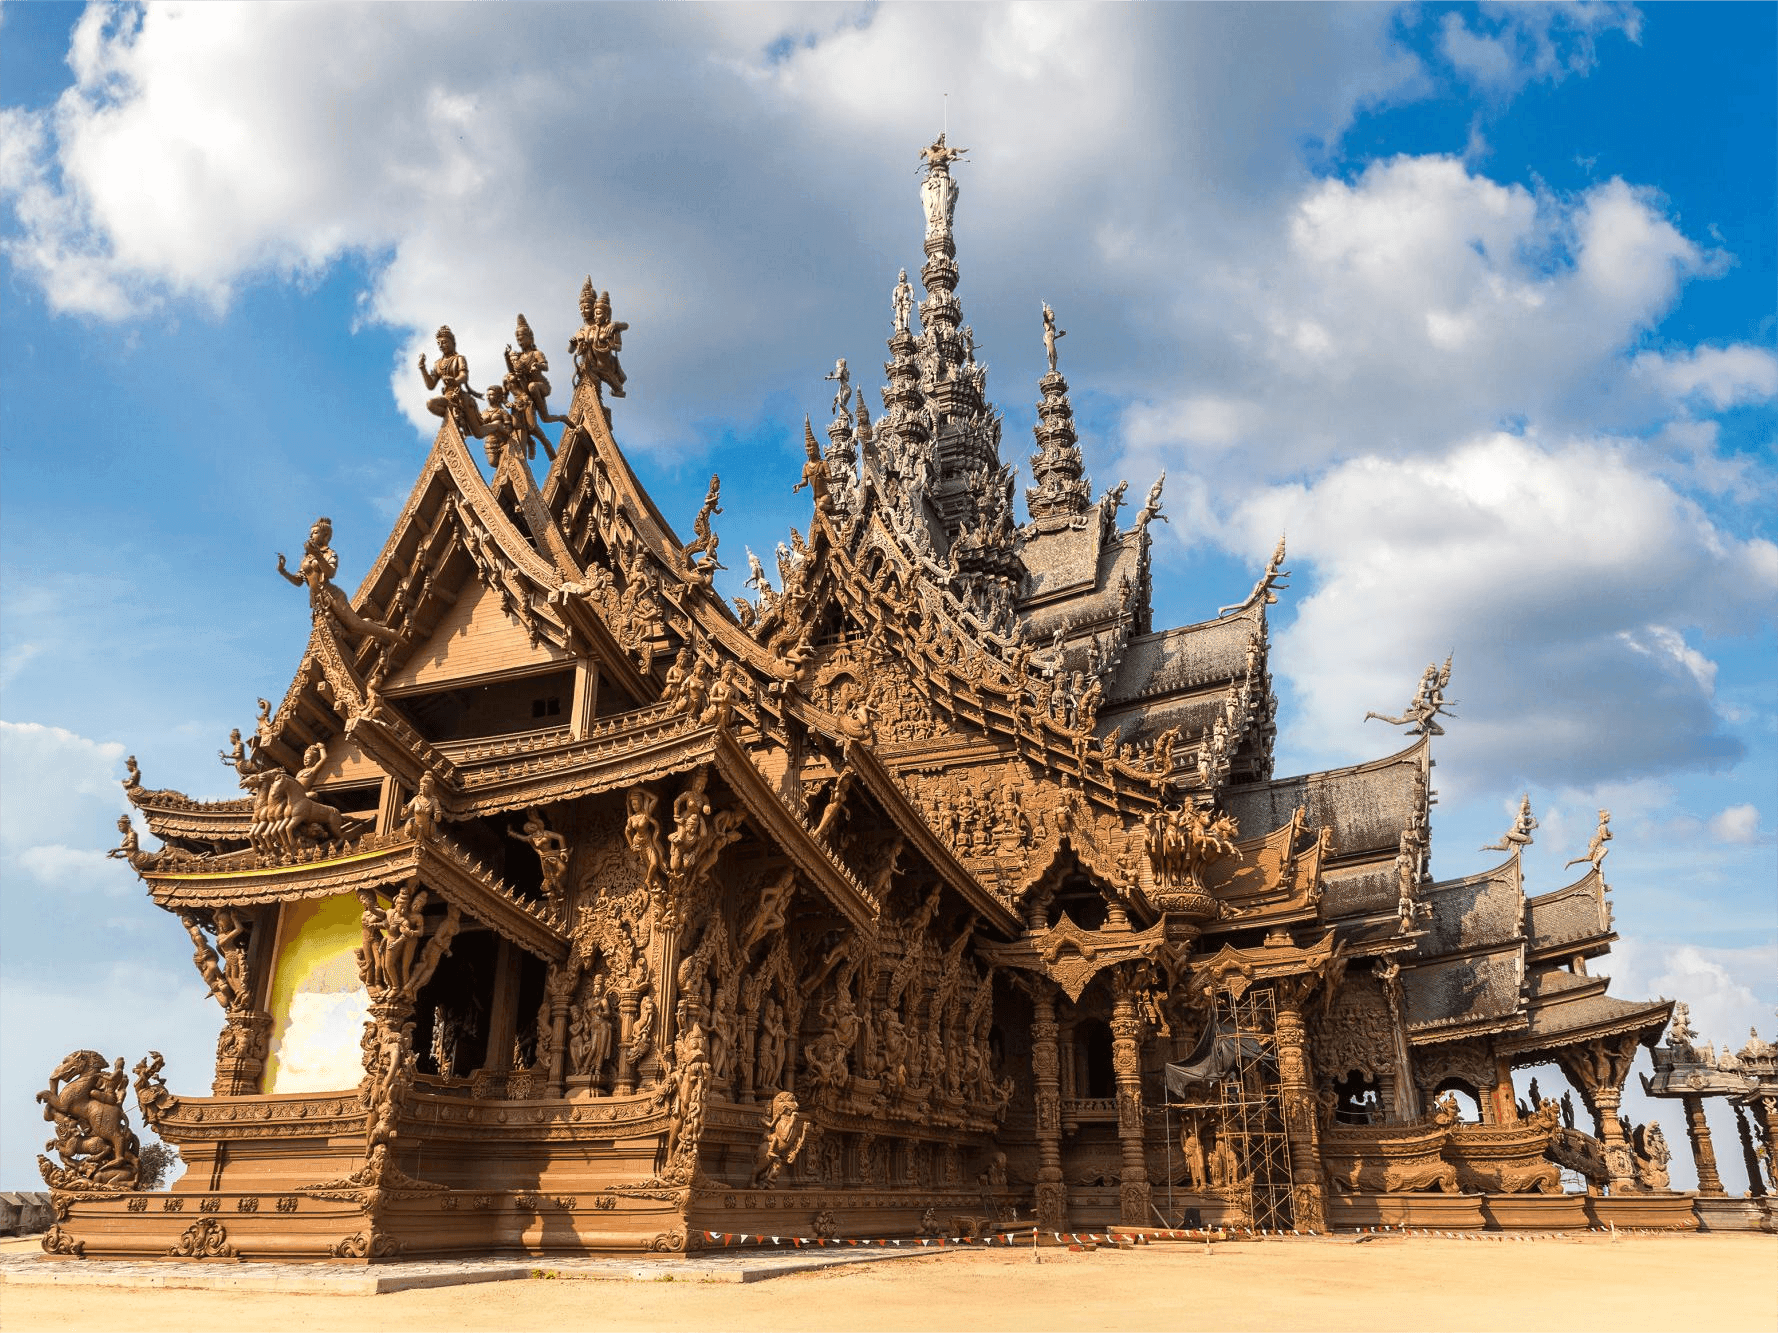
1478,993
1367,806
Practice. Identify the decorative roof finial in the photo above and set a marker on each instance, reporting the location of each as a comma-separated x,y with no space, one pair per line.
1518,837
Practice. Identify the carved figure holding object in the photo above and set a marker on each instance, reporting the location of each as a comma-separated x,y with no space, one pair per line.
420,816
527,379
596,345
450,375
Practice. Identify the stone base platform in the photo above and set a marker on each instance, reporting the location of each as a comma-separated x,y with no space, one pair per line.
1431,1212
1723,1213
1644,1212
1536,1212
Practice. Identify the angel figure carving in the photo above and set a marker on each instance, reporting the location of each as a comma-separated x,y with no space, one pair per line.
552,856
841,377
1519,835
527,380
319,565
1428,703
1597,851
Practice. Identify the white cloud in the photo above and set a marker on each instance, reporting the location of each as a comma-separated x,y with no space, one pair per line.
1556,572
1509,46
75,868
1736,823
60,787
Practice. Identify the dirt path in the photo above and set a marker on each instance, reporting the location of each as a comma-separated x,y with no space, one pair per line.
1696,1283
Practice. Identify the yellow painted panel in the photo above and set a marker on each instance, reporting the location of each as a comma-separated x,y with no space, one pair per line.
318,1002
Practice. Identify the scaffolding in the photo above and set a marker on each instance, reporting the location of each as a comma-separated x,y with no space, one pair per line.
1240,1060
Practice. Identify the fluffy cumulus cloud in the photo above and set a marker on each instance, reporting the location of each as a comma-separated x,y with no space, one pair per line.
1441,384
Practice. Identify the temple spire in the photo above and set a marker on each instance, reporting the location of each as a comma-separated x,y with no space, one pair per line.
1060,495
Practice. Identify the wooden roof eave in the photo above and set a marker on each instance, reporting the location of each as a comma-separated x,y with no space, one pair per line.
446,869
186,885
676,749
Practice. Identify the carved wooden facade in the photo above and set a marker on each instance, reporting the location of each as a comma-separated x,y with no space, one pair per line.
571,907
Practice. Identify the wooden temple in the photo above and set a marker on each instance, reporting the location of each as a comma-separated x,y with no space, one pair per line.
570,907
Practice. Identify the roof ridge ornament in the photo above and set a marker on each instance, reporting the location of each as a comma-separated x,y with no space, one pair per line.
1518,837
1263,590
1596,851
1428,703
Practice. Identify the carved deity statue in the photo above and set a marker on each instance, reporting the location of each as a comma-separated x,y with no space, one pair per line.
500,429
1519,835
420,816
1597,851
319,565
527,380
938,192
596,345
450,375
1050,334
130,849
1649,1145
787,1130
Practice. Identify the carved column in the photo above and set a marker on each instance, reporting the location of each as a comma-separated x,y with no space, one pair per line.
1402,1104
1296,1090
560,989
1052,1194
1126,1065
240,1053
628,998
1506,1106
1756,1182
1598,1068
1765,1107
1697,1129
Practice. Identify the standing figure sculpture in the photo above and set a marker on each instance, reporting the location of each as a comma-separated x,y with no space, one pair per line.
1151,508
787,1130
903,302
596,345
1050,334
701,550
1519,835
938,192
499,428
450,374
1597,851
319,565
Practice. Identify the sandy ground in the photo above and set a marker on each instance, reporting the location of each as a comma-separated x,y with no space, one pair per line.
1571,1284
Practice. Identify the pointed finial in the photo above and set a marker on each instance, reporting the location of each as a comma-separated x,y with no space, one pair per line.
809,446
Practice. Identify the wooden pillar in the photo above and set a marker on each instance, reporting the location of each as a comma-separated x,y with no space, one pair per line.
1765,1106
1506,1106
586,699
503,1013
1756,1183
1697,1129
1296,1090
1052,1194
390,800
1598,1069
1126,1065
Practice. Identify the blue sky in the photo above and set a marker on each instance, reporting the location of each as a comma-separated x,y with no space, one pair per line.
1477,304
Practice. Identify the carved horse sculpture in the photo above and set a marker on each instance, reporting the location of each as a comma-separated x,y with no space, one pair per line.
281,809
84,1100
